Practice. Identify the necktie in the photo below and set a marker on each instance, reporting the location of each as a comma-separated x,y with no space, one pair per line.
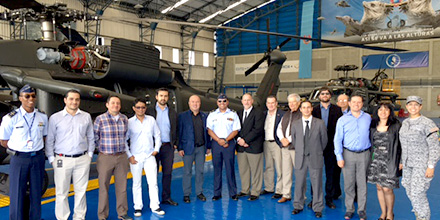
306,139
245,116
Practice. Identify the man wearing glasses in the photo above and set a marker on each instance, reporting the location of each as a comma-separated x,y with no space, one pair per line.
223,125
343,103
144,135
23,132
330,114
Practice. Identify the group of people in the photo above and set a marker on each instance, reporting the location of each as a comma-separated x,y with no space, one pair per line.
366,148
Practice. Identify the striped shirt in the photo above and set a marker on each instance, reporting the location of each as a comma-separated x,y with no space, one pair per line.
110,133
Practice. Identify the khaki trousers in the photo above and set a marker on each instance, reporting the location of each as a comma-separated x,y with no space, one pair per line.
288,162
272,156
250,167
108,165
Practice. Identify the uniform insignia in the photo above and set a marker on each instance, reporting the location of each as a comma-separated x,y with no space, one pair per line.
11,114
41,124
230,119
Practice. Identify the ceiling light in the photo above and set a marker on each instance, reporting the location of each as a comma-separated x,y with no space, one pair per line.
138,6
181,2
222,11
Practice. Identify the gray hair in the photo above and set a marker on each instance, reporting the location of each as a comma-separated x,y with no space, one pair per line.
295,96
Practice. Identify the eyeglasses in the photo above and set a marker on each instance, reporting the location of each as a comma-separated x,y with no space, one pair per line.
220,101
140,107
343,100
28,96
325,93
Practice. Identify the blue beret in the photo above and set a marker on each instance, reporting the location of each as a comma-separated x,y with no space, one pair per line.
222,96
27,89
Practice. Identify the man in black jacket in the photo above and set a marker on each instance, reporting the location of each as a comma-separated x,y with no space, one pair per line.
330,114
250,149
167,120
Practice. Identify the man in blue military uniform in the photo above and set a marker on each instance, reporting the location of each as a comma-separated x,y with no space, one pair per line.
223,125
23,131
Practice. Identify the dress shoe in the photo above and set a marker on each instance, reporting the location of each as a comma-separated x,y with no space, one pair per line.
318,214
186,199
283,200
170,202
201,197
215,198
362,215
234,197
296,211
348,215
242,194
125,217
310,204
252,198
264,192
330,204
277,196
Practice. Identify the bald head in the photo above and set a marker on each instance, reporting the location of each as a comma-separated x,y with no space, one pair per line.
194,103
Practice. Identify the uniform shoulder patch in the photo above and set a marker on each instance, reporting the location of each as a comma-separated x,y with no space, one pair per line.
232,110
12,113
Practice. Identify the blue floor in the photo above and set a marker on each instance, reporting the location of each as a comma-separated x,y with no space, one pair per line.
264,208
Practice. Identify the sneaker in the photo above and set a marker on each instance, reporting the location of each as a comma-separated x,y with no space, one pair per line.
159,211
137,212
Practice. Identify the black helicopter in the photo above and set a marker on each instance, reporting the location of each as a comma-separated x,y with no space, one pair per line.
60,60
370,90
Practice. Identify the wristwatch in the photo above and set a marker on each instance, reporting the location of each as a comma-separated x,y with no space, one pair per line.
431,166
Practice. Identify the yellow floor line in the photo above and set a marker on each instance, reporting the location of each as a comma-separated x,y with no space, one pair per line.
49,195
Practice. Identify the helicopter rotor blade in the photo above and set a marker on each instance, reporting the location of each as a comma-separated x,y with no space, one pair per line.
256,65
284,43
17,4
209,26
268,36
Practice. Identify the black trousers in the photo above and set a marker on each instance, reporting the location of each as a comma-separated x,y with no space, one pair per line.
165,157
332,175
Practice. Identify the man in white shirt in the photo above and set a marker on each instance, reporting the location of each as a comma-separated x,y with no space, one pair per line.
70,144
144,137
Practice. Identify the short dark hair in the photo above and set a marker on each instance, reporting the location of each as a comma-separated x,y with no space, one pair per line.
140,99
162,89
356,95
112,96
72,91
272,97
300,105
391,118
325,88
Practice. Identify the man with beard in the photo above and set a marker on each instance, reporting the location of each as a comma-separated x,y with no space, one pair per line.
330,114
69,148
166,118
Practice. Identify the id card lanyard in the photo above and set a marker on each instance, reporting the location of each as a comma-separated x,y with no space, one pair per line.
29,142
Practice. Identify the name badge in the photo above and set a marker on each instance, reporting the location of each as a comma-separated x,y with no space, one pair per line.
30,144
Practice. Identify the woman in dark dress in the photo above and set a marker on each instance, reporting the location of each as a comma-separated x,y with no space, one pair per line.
384,167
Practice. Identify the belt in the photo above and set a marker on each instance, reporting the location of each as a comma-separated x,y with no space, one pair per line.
357,152
114,154
270,141
73,156
19,153
166,143
199,145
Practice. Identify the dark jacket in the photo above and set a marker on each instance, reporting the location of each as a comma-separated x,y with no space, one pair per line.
334,114
186,132
151,110
252,131
278,116
394,150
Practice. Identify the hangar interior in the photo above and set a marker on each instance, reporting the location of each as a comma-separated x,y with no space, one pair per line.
210,57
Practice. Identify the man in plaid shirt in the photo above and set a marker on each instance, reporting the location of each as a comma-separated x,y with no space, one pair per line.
110,130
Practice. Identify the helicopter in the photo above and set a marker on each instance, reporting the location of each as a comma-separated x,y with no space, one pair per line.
60,60
370,90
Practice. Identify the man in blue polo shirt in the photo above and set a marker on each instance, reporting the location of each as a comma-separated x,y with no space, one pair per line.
352,150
